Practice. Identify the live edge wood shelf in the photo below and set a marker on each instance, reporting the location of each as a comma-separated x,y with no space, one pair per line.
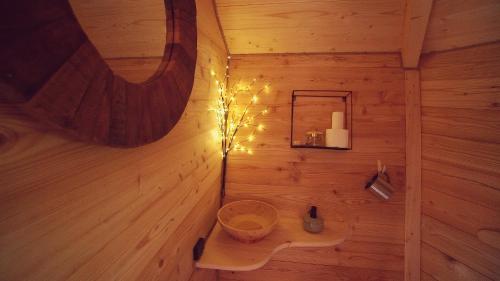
224,253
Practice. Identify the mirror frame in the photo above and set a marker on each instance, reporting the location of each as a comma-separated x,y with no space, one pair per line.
50,67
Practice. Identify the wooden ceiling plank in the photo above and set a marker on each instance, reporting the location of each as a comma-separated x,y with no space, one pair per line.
457,24
311,26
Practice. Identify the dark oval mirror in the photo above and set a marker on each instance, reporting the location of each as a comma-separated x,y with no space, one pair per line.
75,79
129,35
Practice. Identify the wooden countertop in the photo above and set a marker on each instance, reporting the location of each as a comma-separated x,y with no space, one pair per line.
224,253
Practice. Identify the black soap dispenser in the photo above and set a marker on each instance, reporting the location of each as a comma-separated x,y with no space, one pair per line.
313,223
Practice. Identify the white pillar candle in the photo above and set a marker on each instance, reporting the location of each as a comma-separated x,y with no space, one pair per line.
337,138
337,120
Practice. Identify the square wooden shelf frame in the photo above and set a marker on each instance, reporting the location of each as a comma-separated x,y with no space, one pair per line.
346,96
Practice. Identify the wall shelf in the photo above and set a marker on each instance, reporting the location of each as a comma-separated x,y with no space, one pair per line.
312,113
318,147
224,253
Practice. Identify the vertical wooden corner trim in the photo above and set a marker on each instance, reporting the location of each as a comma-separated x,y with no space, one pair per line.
413,175
417,14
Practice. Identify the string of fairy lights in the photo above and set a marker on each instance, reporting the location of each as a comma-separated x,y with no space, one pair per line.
236,113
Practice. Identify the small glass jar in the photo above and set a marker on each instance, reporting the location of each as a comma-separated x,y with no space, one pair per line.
314,138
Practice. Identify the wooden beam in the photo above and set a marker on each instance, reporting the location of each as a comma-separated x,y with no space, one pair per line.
413,175
417,13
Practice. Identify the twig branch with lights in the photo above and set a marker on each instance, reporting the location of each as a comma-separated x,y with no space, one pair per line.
236,115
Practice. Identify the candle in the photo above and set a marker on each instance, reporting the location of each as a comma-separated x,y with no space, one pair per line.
337,138
337,120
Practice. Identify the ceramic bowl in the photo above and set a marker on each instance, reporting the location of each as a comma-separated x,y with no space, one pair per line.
248,220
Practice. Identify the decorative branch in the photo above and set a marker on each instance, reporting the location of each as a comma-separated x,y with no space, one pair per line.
232,109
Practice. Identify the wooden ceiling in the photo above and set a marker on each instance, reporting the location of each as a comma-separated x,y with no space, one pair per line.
296,26
315,26
454,24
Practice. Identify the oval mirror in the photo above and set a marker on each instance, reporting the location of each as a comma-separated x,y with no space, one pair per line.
129,35
114,72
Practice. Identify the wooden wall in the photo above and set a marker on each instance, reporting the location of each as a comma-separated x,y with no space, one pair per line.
283,26
204,275
291,179
461,164
454,24
73,211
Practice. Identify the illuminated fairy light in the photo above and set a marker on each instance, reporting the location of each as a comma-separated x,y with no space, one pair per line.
267,89
236,111
255,99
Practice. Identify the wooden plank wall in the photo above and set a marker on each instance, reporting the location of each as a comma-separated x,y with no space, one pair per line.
204,275
73,211
461,164
454,24
291,179
283,26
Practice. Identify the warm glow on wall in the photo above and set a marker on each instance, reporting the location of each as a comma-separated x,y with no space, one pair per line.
236,114
236,111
